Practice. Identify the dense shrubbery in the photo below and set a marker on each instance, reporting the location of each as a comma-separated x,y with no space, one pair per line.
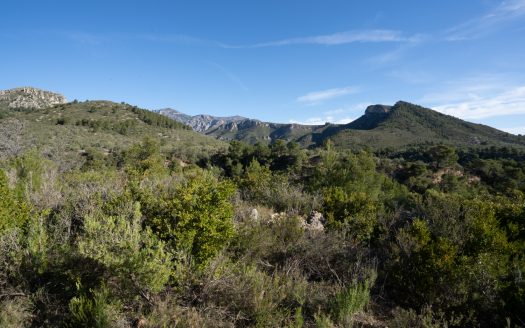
426,238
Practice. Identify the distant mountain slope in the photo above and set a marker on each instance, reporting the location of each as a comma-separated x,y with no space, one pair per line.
66,131
407,124
200,123
239,128
381,127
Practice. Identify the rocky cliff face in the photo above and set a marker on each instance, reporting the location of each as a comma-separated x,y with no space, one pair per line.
378,109
204,123
28,97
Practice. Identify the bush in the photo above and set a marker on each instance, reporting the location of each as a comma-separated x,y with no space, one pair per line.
133,254
95,311
15,313
349,302
13,213
197,216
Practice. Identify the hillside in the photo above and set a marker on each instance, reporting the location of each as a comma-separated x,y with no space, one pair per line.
239,128
66,131
381,127
406,124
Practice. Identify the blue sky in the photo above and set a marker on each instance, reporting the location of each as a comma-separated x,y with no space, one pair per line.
275,60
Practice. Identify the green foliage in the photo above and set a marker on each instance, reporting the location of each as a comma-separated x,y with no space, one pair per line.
95,311
196,217
323,321
133,253
13,212
426,319
144,159
349,302
298,318
15,313
157,241
154,119
442,156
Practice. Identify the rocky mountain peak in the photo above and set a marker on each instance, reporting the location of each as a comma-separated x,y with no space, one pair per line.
29,97
378,109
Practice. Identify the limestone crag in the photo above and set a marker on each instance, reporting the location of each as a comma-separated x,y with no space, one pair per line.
378,109
28,97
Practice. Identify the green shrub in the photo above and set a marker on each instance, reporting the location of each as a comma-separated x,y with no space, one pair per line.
132,253
13,212
196,217
350,301
15,313
94,310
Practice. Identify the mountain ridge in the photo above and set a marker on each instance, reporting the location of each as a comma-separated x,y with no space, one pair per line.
381,126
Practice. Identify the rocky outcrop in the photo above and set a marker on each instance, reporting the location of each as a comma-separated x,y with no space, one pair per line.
314,222
378,109
28,97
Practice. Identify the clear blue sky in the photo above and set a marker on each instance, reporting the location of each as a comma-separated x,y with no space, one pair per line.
276,60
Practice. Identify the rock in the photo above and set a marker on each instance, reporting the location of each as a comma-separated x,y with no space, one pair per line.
28,97
277,217
314,222
254,215
378,109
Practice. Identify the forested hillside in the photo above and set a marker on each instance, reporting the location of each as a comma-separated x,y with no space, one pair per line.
406,125
95,129
113,216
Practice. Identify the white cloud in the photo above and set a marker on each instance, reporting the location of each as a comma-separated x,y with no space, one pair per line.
318,96
515,130
335,111
335,39
322,121
478,27
476,106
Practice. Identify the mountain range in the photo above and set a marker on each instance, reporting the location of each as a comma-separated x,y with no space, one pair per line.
381,126
32,117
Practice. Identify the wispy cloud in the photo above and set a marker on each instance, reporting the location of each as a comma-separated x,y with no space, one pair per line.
319,96
323,120
232,77
175,39
507,11
341,115
399,52
334,39
479,101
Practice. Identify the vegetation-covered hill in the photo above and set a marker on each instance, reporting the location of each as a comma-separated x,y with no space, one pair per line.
96,128
406,124
381,127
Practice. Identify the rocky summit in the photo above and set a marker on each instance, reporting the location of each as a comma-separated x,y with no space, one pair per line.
28,97
378,109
